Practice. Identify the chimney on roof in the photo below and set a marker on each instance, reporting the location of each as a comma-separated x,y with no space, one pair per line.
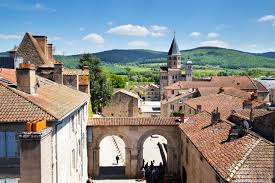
199,109
247,104
221,90
215,116
42,42
50,51
85,67
58,72
26,78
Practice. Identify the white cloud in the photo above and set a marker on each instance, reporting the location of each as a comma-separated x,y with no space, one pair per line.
95,38
9,36
158,31
212,35
195,34
216,43
138,44
138,30
268,18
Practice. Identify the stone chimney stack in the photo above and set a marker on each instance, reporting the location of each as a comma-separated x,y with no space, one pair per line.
247,104
43,43
35,157
199,109
26,78
58,72
50,52
215,116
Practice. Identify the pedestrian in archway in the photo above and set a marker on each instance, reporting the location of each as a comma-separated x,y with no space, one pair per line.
117,158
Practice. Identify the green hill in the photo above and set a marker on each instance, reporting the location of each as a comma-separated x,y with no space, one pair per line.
212,56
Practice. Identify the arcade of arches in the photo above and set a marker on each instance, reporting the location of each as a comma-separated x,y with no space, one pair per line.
134,136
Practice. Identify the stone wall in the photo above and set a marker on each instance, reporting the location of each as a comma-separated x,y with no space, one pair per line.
71,81
27,51
122,105
194,167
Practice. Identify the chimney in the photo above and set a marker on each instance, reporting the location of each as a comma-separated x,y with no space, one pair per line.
199,108
221,90
85,67
58,72
42,42
247,104
215,116
26,78
50,52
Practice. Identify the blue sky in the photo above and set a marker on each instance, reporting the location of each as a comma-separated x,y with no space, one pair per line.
97,25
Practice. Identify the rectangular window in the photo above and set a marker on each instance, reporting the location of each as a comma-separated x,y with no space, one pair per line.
173,92
8,144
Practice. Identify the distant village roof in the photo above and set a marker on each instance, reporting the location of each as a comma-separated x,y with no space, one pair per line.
133,121
76,72
127,92
173,99
246,159
51,101
268,83
245,113
225,103
205,91
239,82
174,49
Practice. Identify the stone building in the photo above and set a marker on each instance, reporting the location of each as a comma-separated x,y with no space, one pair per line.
215,150
66,113
172,72
243,83
124,103
36,50
149,92
174,105
260,121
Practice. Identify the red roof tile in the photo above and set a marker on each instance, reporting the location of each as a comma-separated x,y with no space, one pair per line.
8,74
233,160
133,121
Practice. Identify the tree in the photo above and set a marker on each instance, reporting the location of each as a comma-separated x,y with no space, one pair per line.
118,81
100,88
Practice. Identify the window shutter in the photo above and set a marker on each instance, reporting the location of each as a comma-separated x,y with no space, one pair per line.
2,145
11,144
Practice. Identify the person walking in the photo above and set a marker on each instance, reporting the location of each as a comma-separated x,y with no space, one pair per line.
117,158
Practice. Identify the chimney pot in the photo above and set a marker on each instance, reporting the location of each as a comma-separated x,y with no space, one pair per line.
199,108
215,117
26,78
58,72
247,104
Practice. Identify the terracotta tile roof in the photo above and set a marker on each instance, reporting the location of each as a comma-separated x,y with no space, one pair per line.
51,100
225,103
76,72
172,99
239,82
127,92
133,121
204,91
239,159
16,108
245,113
8,74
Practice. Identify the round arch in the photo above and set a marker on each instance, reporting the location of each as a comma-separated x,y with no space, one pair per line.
96,150
171,146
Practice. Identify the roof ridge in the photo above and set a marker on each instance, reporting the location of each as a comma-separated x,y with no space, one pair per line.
241,162
20,95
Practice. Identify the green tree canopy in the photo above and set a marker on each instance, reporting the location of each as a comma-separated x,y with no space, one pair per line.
100,88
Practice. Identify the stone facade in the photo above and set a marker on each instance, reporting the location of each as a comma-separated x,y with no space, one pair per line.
172,72
33,50
123,104
134,137
176,104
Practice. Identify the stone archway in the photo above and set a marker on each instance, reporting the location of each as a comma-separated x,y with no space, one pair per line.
96,150
172,156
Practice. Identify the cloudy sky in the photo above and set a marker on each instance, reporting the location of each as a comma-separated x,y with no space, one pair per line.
97,25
